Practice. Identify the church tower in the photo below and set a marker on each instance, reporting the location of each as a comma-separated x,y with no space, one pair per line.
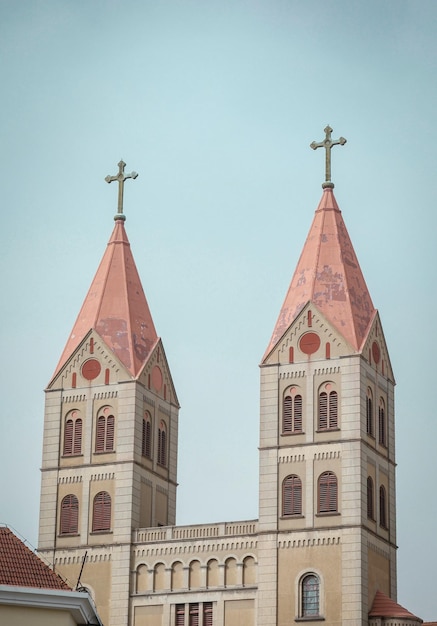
110,433
327,526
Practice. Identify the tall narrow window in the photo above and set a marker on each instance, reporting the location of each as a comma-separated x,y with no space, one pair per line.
73,434
162,444
146,444
69,515
370,499
207,614
328,408
310,592
382,507
292,496
382,429
102,512
369,412
180,615
292,413
105,431
193,614
327,493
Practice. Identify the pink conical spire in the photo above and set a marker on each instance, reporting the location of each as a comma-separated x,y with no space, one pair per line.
329,275
116,307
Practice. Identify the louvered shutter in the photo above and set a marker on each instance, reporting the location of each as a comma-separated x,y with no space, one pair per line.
100,434
369,415
292,496
287,420
328,493
110,421
207,614
369,498
68,437
78,436
69,515
180,615
298,414
382,435
102,512
194,615
323,411
382,507
333,409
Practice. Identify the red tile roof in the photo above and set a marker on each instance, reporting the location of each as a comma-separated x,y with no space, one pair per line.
328,274
383,606
116,308
20,567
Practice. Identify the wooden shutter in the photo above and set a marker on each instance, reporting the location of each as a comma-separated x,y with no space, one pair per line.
207,614
381,425
323,411
69,515
369,497
292,496
78,436
328,493
382,507
194,615
369,414
100,434
287,415
110,422
180,615
102,512
298,414
333,409
68,437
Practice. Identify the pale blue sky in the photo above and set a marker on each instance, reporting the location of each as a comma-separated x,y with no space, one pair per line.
215,104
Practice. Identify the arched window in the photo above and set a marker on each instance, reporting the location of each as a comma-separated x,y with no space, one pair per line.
73,434
102,512
146,443
249,571
159,577
292,496
105,431
230,572
382,429
369,412
328,408
69,515
212,573
327,493
382,507
370,499
292,413
194,574
177,575
310,596
162,444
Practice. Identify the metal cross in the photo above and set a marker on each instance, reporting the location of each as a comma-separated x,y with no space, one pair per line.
327,143
121,177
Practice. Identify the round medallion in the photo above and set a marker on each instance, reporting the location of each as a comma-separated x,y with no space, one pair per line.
376,352
91,369
157,378
309,343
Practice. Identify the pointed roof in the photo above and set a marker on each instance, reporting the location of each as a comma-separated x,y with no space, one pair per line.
383,606
328,275
20,567
116,307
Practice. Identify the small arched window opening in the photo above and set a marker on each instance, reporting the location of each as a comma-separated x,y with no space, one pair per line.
162,444
310,596
292,413
73,434
382,507
105,431
382,425
292,496
370,499
146,442
328,408
328,493
369,412
69,515
101,512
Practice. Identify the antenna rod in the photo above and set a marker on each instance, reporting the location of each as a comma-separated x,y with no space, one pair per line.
81,569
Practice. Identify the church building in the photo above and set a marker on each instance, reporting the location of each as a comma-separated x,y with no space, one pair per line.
324,546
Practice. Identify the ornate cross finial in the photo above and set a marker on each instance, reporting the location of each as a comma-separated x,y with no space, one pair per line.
121,177
327,143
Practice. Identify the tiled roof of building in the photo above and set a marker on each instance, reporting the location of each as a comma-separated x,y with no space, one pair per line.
328,275
116,308
383,606
20,567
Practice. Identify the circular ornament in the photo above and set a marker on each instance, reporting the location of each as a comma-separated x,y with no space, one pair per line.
376,352
309,343
157,378
91,369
